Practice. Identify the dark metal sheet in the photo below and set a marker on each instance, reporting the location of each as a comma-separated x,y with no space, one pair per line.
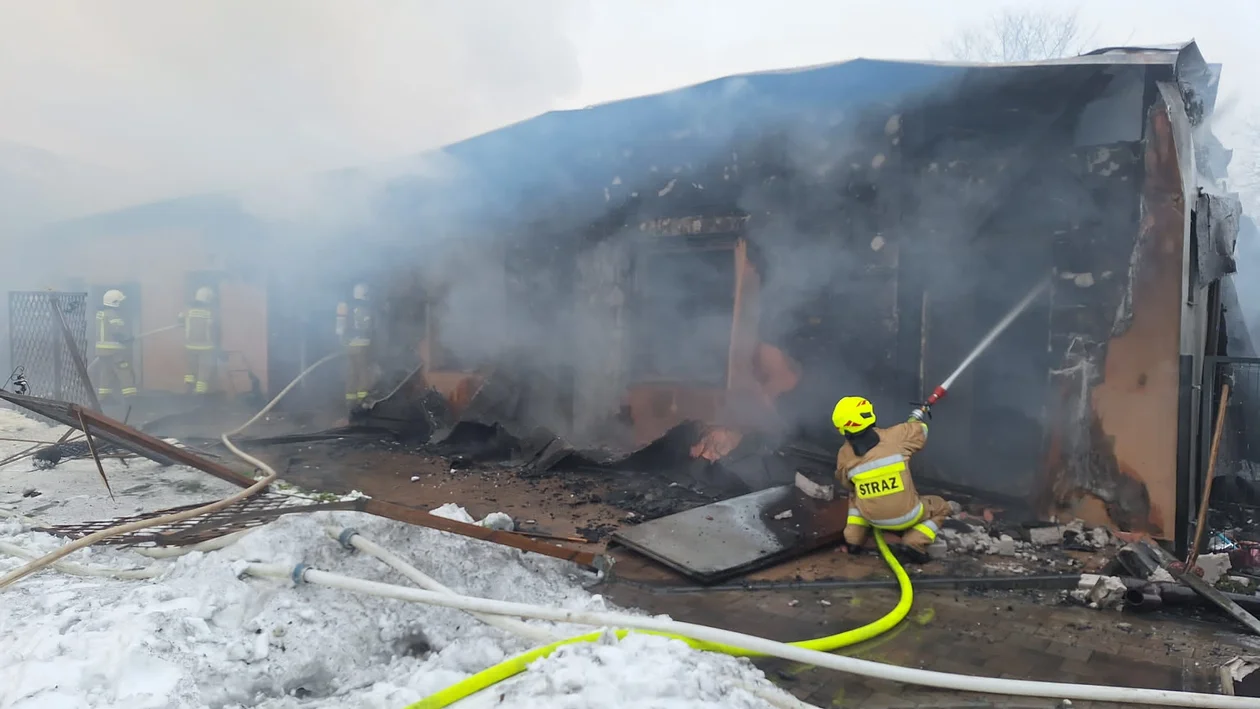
739,535
124,436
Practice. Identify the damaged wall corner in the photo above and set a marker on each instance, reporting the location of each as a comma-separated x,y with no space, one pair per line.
1112,452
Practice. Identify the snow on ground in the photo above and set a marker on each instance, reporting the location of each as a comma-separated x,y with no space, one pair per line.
200,636
73,491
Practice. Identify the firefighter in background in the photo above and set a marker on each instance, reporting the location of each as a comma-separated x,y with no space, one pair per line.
199,342
354,327
873,465
113,348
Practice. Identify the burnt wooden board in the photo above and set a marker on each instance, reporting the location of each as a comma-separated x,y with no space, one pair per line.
736,536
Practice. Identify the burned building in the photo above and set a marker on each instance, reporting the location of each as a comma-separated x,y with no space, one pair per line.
744,252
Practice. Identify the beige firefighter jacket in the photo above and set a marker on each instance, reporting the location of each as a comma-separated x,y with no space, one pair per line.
354,323
111,333
880,488
198,322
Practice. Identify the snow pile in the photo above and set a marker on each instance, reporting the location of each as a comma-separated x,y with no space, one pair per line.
495,520
454,512
200,636
641,668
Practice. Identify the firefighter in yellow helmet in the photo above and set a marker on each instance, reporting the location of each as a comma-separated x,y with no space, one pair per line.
354,327
114,348
199,342
873,466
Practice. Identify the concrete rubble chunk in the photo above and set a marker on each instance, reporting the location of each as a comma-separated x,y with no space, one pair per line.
938,550
1214,567
1100,591
1046,536
818,491
1006,546
1100,537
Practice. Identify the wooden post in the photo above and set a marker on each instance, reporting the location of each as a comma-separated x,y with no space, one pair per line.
95,458
1202,521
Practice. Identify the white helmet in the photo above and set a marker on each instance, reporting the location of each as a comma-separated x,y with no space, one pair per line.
360,291
204,295
113,298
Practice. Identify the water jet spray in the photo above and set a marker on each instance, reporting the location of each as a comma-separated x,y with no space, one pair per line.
941,390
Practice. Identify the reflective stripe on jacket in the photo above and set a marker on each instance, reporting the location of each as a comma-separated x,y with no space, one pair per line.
197,329
109,331
879,484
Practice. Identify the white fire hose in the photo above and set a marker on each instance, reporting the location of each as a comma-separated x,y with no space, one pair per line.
866,668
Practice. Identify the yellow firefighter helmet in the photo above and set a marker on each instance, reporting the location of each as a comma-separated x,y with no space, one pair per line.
853,414
113,298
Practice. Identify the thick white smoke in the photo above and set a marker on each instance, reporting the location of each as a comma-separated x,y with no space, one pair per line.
181,97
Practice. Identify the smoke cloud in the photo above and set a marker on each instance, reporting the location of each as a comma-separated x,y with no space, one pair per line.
179,97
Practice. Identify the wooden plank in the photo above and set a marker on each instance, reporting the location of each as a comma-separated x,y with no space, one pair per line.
421,518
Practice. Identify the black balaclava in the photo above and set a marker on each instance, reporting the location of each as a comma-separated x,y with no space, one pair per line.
863,441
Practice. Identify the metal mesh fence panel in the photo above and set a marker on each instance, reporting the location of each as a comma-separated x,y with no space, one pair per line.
1240,439
1235,496
37,345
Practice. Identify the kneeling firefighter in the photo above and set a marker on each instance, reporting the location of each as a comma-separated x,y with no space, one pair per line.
873,465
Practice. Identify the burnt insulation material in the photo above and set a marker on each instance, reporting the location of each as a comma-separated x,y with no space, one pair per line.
1216,220
751,466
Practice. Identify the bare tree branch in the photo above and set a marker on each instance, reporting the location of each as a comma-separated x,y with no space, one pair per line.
1015,36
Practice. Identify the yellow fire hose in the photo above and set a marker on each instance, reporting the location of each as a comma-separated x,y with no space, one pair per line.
515,665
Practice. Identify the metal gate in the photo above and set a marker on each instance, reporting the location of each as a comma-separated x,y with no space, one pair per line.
38,345
1237,472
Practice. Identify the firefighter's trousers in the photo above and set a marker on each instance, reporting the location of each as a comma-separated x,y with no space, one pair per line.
116,375
917,532
200,371
358,373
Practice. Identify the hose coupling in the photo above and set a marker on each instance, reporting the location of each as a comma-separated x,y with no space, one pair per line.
346,535
299,574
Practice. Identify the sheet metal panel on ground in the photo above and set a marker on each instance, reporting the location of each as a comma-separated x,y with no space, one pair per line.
716,542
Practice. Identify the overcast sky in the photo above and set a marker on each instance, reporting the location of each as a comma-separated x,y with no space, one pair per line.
217,93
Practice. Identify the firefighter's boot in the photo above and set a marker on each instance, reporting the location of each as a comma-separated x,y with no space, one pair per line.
855,536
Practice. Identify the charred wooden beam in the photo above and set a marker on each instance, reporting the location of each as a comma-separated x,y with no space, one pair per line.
123,436
421,518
